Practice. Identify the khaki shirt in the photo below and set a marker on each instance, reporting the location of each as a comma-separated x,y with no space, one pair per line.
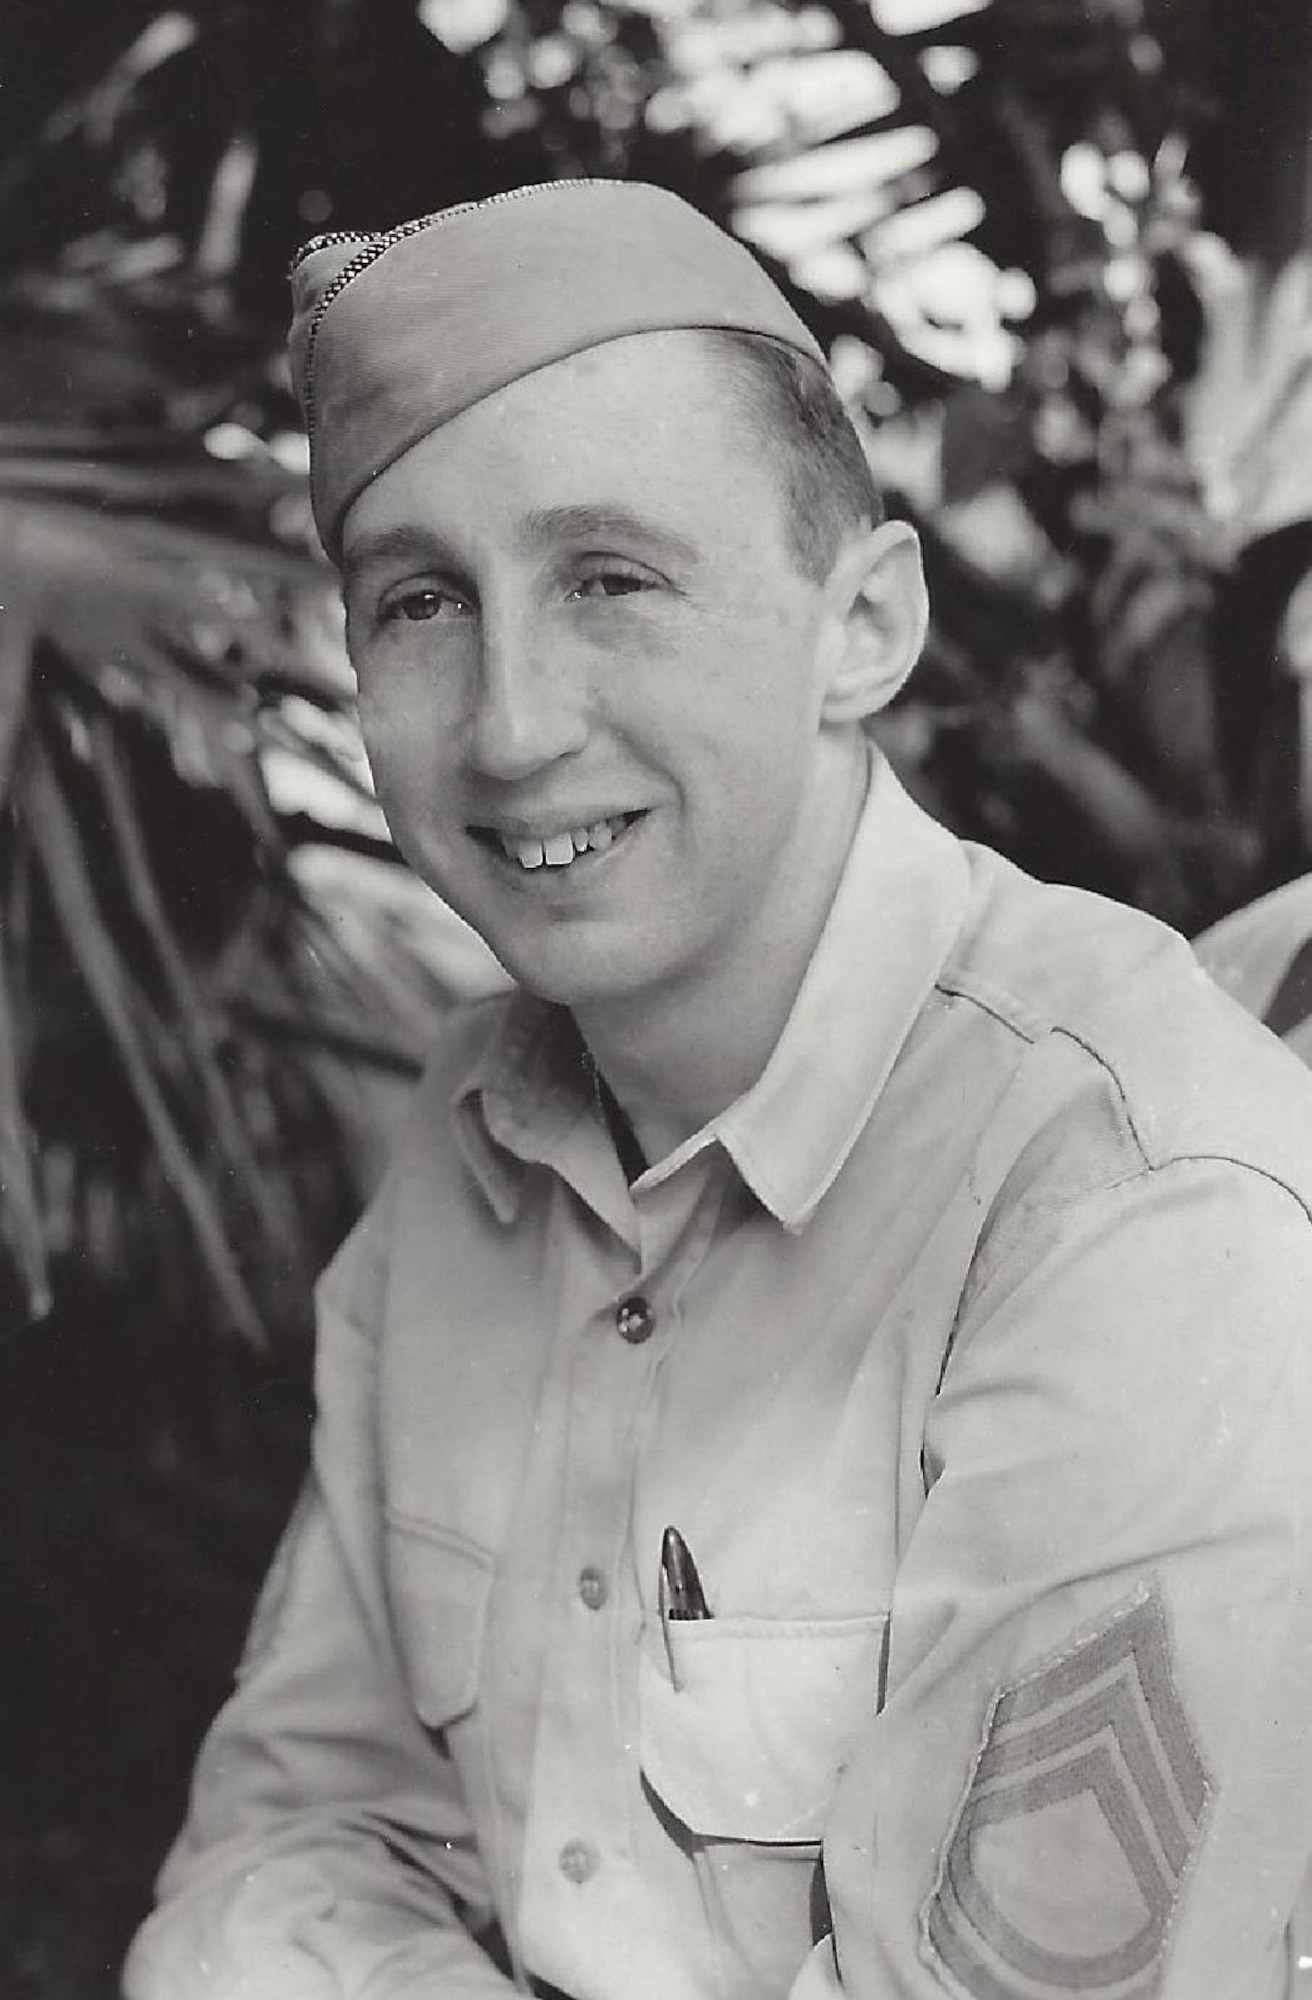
970,1352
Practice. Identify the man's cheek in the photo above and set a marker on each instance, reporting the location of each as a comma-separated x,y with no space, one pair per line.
391,731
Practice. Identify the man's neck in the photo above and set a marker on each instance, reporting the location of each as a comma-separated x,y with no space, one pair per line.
673,1062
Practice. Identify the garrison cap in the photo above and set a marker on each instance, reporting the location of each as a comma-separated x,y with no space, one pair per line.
396,332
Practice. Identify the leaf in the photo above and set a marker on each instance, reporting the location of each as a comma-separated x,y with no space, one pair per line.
19,1208
340,1038
1105,808
189,1005
18,1199
92,948
95,112
17,639
66,534
1127,817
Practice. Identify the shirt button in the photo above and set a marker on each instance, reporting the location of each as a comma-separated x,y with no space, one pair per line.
634,1319
592,1588
577,1861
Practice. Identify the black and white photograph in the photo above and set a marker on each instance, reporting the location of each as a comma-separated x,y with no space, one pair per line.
656,1000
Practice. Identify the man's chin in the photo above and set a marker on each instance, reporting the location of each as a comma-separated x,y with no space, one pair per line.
575,968
568,981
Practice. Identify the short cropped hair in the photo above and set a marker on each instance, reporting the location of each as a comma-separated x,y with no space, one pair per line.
800,419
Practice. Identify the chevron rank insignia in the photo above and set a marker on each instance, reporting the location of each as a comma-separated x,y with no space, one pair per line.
1084,1808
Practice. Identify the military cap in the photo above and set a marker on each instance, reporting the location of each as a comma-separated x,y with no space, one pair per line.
397,331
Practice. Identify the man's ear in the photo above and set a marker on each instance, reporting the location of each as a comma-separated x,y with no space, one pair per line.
879,613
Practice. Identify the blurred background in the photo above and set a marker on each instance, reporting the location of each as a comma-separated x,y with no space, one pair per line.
1058,250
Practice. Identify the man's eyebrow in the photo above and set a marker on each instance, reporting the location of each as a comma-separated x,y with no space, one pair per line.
397,544
594,521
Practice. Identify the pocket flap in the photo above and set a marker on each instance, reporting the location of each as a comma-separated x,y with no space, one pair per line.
438,1585
749,1744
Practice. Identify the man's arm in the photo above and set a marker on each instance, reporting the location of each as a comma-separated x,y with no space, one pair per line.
1092,1772
328,1852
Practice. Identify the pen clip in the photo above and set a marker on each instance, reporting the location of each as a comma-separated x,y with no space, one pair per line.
663,1600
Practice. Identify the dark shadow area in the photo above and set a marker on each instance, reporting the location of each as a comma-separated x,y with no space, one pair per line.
142,1484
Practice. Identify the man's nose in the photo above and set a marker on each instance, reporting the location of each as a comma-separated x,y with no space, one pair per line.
529,705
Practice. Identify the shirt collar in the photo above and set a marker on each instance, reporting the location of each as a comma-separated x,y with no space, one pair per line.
524,1093
899,905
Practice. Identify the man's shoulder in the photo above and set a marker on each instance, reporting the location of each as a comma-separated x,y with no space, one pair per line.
1135,1017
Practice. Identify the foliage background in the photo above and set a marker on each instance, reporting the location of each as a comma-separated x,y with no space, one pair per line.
1057,249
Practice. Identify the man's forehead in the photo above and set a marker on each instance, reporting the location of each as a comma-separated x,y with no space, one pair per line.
595,446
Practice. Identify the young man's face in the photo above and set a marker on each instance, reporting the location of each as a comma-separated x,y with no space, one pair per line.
592,678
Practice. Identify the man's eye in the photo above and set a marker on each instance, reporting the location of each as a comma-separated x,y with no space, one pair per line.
418,605
611,583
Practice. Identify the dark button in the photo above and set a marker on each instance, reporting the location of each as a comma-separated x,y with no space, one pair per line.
634,1319
592,1588
577,1861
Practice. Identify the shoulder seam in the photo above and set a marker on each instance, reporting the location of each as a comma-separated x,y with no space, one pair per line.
1036,1029
994,1007
1039,1028
1254,1167
1150,1167
1154,1162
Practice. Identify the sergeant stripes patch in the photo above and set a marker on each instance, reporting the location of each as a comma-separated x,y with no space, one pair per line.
1084,1808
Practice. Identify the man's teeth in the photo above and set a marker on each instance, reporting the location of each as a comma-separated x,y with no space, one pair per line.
561,848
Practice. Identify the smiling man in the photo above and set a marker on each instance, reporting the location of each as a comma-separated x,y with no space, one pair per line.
811,1486
612,715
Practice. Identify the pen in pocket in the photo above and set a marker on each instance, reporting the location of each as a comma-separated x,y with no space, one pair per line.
680,1593
681,1587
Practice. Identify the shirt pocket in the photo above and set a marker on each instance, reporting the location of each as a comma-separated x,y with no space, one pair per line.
438,1588
745,1725
746,1722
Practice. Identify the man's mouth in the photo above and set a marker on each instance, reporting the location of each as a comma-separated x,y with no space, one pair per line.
555,850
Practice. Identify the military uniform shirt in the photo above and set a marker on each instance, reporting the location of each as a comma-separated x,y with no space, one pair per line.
969,1352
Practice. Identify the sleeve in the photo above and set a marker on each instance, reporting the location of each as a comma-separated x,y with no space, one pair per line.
328,1852
1091,1772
